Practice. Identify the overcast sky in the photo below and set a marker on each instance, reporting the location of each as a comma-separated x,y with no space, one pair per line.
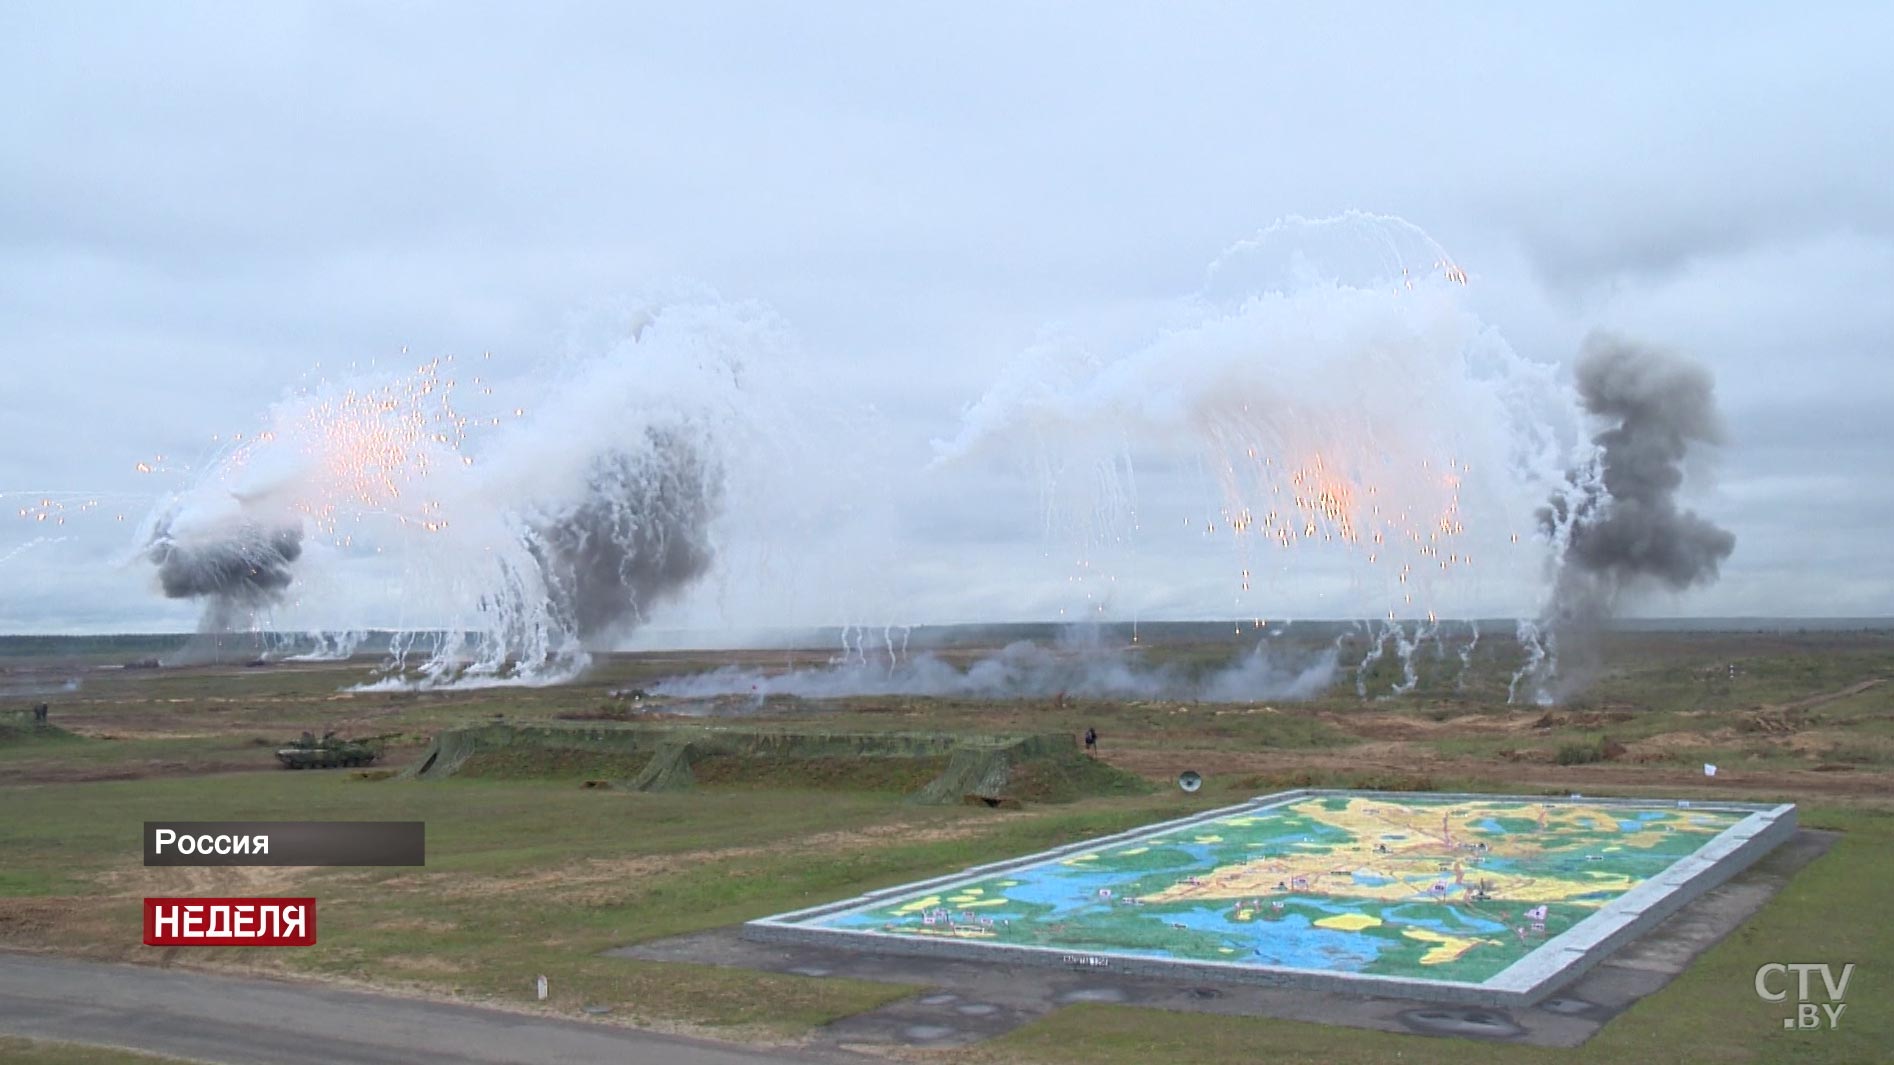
201,203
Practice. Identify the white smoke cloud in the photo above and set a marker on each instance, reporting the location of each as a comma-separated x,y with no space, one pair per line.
1339,398
1028,670
517,539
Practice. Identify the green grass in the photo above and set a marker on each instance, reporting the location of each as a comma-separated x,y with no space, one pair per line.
526,878
1830,912
1701,681
1860,752
84,752
28,738
1581,753
39,1052
1241,788
1876,702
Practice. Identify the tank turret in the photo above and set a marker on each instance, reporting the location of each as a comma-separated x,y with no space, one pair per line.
308,752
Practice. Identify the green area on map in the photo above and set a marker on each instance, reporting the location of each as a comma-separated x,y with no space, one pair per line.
1412,887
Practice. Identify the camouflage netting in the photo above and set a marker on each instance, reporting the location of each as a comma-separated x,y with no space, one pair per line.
930,767
668,770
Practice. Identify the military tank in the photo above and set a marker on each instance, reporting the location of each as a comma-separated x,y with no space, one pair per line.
328,752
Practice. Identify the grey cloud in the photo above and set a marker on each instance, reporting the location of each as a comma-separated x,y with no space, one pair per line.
638,537
1659,406
1619,527
241,568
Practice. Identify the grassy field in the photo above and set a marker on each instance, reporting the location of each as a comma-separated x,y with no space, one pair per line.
39,1052
523,878
537,875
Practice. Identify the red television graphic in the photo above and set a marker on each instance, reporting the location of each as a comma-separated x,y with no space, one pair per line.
239,922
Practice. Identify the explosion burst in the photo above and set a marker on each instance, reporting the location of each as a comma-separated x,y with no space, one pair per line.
1342,399
519,543
1357,429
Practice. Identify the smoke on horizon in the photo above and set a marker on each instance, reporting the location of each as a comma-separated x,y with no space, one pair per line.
1027,670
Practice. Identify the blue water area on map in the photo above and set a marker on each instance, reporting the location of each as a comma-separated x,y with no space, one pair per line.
1415,885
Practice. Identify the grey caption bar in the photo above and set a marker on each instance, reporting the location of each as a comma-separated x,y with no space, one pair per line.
217,843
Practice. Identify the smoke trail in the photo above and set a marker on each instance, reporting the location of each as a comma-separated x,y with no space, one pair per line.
1541,650
330,647
1377,646
1387,636
1404,648
1618,526
1466,655
37,541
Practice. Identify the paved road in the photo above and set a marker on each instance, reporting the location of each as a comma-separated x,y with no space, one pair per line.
266,1022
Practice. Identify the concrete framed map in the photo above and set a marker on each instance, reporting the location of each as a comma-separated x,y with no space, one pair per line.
1460,898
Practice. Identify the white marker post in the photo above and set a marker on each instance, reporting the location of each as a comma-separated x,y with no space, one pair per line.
542,989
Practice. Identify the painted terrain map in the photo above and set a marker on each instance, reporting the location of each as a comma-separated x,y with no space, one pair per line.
1441,889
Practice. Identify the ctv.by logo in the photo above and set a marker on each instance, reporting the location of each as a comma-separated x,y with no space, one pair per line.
1807,1014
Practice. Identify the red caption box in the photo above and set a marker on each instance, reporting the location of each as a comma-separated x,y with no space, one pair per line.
230,922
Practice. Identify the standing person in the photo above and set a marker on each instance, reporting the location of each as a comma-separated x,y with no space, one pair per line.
1091,741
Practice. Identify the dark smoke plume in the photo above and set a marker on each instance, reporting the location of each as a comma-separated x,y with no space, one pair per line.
244,569
640,537
1619,520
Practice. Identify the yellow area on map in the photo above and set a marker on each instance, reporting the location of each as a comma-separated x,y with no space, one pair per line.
1348,922
1133,850
918,905
1397,853
1080,858
1446,948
